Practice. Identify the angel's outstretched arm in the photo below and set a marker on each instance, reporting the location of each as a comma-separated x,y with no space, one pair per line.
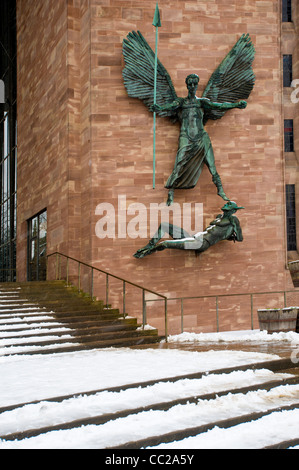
207,104
174,105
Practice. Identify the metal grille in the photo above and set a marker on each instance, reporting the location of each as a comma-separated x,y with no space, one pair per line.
287,70
286,11
291,217
288,135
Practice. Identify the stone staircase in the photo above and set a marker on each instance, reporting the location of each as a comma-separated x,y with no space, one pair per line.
130,425
41,318
48,317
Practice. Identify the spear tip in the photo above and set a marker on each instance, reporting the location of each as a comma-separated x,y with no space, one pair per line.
157,20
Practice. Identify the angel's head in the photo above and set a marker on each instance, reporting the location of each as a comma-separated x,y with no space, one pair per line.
192,82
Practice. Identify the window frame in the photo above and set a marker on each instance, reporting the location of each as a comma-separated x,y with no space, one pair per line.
288,135
286,11
36,261
291,217
287,69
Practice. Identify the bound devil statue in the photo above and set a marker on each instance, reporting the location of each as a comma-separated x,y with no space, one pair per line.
225,226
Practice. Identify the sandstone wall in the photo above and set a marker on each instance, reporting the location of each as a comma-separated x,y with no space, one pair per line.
93,144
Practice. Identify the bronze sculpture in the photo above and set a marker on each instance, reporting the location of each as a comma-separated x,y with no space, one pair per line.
225,226
229,85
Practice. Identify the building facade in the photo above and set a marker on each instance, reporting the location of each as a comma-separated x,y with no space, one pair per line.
85,151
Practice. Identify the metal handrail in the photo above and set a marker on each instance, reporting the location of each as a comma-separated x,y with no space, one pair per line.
109,275
216,297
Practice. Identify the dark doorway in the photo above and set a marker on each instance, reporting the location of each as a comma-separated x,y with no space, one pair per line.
37,247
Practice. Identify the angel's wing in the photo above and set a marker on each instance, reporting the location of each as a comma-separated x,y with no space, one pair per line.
233,80
138,74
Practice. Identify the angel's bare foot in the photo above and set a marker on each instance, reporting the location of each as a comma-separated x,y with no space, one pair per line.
222,194
217,181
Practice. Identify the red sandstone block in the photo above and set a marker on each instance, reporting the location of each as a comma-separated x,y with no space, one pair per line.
132,13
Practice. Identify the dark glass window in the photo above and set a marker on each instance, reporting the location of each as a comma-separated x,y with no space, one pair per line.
286,11
288,135
291,217
37,247
8,139
2,92
287,70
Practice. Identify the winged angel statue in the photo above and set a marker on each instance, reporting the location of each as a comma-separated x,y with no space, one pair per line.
228,87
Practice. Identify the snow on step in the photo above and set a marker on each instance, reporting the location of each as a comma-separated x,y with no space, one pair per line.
21,349
7,293
266,431
15,302
45,413
27,325
32,331
151,423
8,325
22,311
19,319
30,339
6,321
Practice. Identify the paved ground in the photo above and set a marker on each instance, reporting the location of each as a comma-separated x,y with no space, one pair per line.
280,348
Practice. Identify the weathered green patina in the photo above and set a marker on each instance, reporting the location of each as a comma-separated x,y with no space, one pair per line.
225,226
157,24
228,87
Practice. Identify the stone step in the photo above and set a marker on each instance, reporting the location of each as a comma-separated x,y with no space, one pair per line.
40,332
33,286
101,344
59,302
56,306
163,406
84,337
68,314
277,365
191,432
78,323
46,306
44,291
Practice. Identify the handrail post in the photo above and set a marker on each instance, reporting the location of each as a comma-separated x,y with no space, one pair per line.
182,315
59,269
285,299
251,309
217,314
143,309
124,299
166,320
67,271
56,270
92,283
107,290
79,276
47,268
